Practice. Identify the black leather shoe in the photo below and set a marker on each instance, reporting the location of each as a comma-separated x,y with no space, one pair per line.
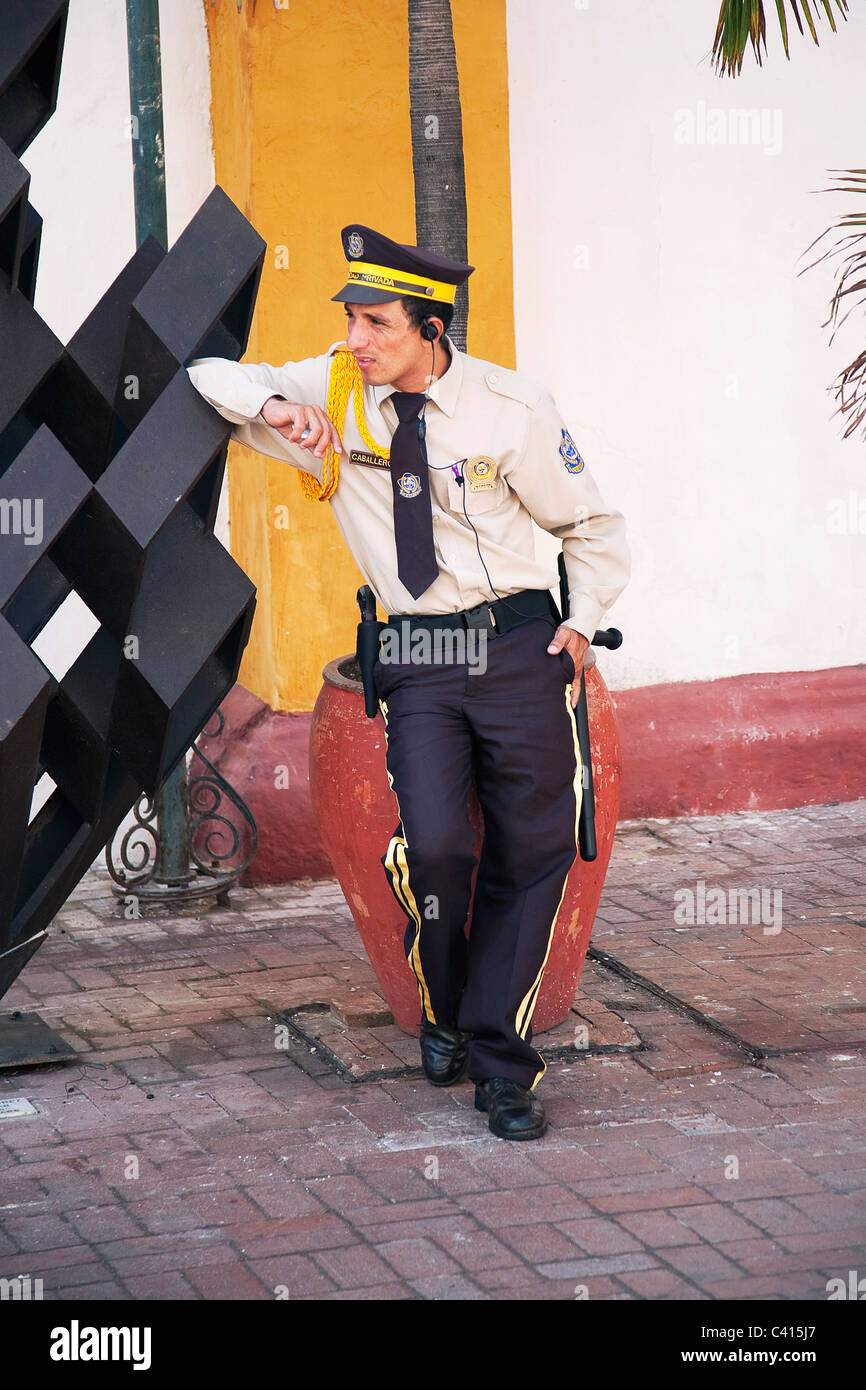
514,1113
444,1053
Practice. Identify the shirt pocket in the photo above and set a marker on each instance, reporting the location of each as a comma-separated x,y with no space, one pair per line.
464,502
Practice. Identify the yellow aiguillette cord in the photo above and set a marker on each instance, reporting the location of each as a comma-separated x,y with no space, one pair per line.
345,381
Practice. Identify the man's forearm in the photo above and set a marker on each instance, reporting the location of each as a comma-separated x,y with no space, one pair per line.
238,390
597,567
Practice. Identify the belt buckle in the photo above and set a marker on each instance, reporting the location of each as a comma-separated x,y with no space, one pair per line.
480,617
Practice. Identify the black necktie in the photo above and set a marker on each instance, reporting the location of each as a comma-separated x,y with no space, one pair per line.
413,513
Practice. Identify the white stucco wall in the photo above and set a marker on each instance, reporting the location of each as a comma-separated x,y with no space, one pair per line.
657,294
81,163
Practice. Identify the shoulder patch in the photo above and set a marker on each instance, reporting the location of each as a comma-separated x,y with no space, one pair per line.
570,457
514,385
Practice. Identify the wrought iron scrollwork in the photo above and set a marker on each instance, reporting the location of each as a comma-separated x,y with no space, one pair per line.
214,838
128,844
213,785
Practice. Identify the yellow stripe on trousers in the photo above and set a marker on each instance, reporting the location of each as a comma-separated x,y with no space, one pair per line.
398,867
527,1004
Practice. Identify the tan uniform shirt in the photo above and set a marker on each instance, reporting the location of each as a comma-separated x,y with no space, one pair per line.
475,409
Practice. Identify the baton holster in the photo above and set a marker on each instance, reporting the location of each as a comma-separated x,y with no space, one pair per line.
367,652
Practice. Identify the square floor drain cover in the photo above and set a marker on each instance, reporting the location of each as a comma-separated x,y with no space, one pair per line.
27,1041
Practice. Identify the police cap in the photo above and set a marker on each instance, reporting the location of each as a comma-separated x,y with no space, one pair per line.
381,269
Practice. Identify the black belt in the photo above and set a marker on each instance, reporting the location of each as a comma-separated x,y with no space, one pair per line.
497,617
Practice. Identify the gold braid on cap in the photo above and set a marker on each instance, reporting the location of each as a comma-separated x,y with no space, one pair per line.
345,381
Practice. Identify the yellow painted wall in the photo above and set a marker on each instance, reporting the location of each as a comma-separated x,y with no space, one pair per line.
310,111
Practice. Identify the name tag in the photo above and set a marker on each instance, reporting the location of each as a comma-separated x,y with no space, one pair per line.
370,460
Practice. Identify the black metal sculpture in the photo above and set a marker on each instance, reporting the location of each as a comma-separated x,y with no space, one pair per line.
108,446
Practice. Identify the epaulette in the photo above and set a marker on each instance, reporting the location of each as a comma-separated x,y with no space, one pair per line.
514,385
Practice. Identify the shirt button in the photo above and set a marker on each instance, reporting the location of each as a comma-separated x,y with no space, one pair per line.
493,377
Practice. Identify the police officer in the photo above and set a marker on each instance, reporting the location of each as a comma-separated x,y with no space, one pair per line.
436,464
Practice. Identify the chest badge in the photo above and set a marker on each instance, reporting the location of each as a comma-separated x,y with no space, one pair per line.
570,457
409,485
481,473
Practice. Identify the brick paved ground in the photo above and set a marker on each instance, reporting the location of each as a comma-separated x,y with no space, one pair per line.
708,1145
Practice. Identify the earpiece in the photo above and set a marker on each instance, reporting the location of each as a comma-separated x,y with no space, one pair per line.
430,335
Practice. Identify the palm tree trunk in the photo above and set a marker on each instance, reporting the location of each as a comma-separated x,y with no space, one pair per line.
437,142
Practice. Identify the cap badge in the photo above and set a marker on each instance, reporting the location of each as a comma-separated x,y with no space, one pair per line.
356,245
481,473
409,485
571,458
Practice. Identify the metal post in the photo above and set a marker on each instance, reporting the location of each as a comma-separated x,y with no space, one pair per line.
145,109
148,166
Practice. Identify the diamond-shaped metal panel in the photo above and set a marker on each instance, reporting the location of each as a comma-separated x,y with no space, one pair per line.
110,472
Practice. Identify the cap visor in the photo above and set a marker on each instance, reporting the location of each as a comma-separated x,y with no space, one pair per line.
364,294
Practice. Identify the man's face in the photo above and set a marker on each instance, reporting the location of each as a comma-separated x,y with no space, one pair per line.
388,348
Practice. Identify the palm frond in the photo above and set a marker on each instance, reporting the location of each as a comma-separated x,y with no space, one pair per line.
743,21
849,388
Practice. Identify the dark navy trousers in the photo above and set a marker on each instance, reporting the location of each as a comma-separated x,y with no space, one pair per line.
512,728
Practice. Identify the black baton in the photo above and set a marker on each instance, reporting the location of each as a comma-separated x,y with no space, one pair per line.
606,637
